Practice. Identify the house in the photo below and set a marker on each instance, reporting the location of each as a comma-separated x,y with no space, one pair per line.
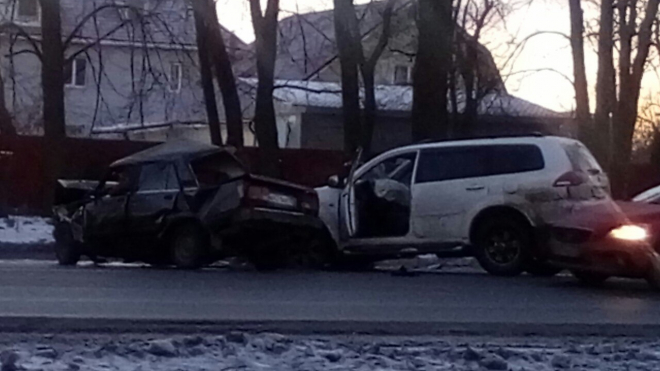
133,71
308,86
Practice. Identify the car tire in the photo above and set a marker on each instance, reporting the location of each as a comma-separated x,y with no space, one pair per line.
67,251
590,278
653,276
540,268
266,260
315,251
353,264
188,246
502,246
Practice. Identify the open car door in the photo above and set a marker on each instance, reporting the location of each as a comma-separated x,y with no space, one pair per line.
348,220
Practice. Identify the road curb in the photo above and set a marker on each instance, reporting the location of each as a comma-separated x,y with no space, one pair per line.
19,324
10,251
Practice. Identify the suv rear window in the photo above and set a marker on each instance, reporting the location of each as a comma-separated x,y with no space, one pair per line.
580,157
468,162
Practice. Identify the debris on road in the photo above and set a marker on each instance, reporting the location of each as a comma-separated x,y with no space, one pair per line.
276,352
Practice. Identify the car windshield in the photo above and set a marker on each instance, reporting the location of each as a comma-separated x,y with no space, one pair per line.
314,185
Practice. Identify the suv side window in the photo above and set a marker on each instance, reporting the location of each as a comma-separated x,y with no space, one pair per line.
399,168
469,162
452,163
518,158
158,177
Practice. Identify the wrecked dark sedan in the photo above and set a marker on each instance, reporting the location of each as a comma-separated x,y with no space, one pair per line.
609,239
187,204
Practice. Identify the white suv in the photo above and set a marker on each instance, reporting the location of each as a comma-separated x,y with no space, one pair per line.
484,197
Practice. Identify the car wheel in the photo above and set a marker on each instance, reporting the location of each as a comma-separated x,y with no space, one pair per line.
313,252
353,264
502,246
266,260
67,250
188,246
653,276
590,278
540,268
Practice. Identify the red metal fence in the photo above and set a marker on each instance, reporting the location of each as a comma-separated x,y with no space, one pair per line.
21,166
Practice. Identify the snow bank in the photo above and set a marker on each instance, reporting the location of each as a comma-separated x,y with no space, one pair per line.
23,230
238,351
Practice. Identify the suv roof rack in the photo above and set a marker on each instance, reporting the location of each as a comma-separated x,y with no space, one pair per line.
536,134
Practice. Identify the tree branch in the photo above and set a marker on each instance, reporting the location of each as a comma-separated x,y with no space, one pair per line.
91,15
384,35
21,32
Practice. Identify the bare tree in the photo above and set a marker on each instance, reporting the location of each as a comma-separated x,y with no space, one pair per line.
265,30
347,35
579,73
368,71
203,47
617,99
225,76
432,65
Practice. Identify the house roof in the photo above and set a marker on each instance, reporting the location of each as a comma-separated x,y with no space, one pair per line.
398,98
307,45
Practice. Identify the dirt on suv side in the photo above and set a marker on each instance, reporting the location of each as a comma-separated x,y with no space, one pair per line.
490,198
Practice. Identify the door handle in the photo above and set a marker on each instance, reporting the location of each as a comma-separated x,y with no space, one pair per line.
474,188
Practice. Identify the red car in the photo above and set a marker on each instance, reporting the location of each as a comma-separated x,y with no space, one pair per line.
608,239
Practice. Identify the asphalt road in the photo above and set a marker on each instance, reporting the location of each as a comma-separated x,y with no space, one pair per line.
40,290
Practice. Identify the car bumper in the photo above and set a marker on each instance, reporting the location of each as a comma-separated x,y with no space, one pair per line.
608,256
269,218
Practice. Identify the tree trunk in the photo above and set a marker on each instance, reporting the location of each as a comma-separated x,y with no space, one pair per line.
52,81
605,83
226,79
582,113
6,122
265,29
368,71
208,87
370,109
349,59
432,65
631,74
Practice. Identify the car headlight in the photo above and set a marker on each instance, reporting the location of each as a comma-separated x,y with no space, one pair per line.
629,232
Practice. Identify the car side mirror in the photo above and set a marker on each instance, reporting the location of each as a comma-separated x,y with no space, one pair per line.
335,182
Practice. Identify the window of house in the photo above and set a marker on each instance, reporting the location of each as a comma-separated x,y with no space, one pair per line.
402,75
175,76
27,10
75,73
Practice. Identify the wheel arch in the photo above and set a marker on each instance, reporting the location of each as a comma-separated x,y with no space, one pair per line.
499,211
173,222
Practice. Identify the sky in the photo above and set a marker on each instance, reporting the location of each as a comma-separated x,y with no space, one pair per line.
527,76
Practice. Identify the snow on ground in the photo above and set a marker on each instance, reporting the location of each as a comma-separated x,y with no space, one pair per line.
240,351
25,230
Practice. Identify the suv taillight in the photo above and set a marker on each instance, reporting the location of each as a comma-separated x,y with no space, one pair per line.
569,179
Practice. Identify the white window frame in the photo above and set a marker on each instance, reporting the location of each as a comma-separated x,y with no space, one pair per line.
408,74
177,88
26,20
74,67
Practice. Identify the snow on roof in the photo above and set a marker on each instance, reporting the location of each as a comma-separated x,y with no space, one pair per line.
398,98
